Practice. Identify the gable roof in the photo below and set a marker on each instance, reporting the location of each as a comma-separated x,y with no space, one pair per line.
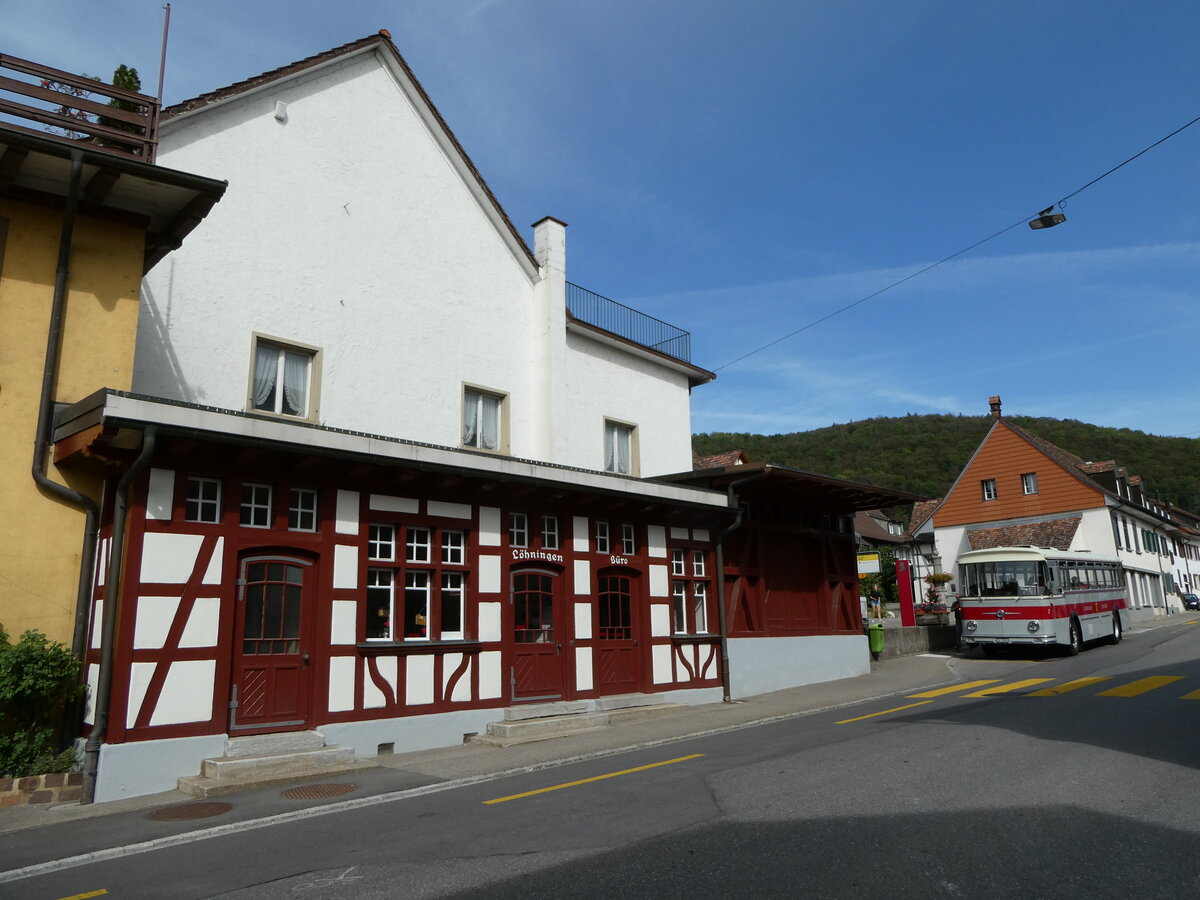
720,460
921,511
381,44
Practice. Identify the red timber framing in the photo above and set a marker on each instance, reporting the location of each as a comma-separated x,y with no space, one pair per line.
267,590
790,564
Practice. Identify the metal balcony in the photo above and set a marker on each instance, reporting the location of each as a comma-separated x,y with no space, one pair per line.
594,309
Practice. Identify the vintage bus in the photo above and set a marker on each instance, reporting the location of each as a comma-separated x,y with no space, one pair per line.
1035,596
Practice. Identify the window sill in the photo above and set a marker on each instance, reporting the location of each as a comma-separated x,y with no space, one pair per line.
406,647
706,638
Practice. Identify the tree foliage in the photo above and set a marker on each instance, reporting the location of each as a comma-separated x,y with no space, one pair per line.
924,454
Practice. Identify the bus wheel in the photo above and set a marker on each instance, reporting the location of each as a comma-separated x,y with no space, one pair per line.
1116,634
1076,639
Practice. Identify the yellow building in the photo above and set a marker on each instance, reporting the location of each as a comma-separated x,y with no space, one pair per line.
80,223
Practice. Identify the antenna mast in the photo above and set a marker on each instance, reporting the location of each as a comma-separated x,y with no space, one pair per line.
162,62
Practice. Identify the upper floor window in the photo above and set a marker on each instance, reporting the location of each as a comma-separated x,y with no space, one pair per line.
483,420
989,488
518,530
256,505
549,532
602,539
1029,483
628,544
203,500
283,378
619,448
302,510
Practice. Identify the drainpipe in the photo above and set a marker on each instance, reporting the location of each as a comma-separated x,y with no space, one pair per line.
721,617
1162,587
112,601
87,563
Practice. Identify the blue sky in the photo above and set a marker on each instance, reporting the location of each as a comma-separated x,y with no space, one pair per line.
741,168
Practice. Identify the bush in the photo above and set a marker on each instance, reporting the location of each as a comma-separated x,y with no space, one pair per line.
38,678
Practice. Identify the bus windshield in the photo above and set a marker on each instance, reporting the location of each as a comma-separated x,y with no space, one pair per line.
1004,578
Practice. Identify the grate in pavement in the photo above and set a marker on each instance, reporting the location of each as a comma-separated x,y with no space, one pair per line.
317,791
187,811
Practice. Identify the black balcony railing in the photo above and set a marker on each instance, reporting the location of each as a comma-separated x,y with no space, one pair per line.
623,321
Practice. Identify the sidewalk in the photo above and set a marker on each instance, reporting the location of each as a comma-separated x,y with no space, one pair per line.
476,761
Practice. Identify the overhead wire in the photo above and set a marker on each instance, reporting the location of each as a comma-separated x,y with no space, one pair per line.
945,259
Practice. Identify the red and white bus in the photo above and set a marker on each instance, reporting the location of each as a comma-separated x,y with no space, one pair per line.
1035,596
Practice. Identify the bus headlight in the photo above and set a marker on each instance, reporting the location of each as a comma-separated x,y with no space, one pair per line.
1034,626
971,625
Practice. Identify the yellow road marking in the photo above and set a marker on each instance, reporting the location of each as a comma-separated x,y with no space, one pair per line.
882,713
955,688
1141,686
1194,695
559,787
1068,686
99,893
1006,688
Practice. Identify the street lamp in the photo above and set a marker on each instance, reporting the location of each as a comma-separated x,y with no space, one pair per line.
1047,218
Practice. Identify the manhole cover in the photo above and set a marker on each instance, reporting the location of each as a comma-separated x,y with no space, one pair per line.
317,791
188,811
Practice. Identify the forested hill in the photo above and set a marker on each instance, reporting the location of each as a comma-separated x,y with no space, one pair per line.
924,454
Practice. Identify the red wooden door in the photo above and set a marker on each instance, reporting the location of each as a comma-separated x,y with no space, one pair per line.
270,655
537,619
618,659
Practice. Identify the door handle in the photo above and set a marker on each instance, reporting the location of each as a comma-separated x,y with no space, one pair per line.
304,659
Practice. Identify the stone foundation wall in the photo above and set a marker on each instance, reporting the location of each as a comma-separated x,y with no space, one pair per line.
61,787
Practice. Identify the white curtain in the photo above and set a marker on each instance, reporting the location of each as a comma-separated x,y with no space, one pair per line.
295,384
490,413
266,366
617,449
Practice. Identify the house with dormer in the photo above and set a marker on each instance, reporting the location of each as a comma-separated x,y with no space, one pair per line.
1018,489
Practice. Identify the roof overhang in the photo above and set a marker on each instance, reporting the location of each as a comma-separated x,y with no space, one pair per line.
694,374
167,203
795,486
121,415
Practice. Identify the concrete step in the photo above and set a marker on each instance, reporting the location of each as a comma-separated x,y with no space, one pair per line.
544,710
282,742
553,726
224,775
514,740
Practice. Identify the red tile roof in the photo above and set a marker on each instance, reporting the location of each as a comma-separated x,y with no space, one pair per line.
1057,533
720,460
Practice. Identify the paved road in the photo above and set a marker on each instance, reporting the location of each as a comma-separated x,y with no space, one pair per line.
1049,777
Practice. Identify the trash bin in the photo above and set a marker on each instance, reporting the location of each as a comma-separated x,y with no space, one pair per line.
875,639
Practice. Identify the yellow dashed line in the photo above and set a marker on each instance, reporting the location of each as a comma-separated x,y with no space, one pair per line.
941,692
1141,686
1068,686
882,712
1194,695
1007,688
559,787
99,893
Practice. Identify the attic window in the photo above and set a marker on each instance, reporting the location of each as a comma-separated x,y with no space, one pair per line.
988,486
1029,483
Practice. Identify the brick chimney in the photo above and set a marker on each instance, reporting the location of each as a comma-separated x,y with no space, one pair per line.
994,405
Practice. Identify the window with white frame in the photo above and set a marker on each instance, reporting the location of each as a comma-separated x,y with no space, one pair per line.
256,506
282,378
603,544
549,532
518,530
302,509
483,420
1029,483
628,544
420,597
203,503
989,488
619,448
689,591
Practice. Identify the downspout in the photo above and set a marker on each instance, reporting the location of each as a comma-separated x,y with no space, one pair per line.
112,602
41,444
1162,587
721,615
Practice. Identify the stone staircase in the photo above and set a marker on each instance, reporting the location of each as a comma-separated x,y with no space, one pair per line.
531,722
265,759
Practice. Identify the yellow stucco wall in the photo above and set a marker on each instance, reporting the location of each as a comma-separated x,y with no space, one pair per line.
41,537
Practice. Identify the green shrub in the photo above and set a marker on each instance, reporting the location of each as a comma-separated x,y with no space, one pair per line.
38,678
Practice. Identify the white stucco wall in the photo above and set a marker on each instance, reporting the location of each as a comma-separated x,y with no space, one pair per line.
761,665
349,227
